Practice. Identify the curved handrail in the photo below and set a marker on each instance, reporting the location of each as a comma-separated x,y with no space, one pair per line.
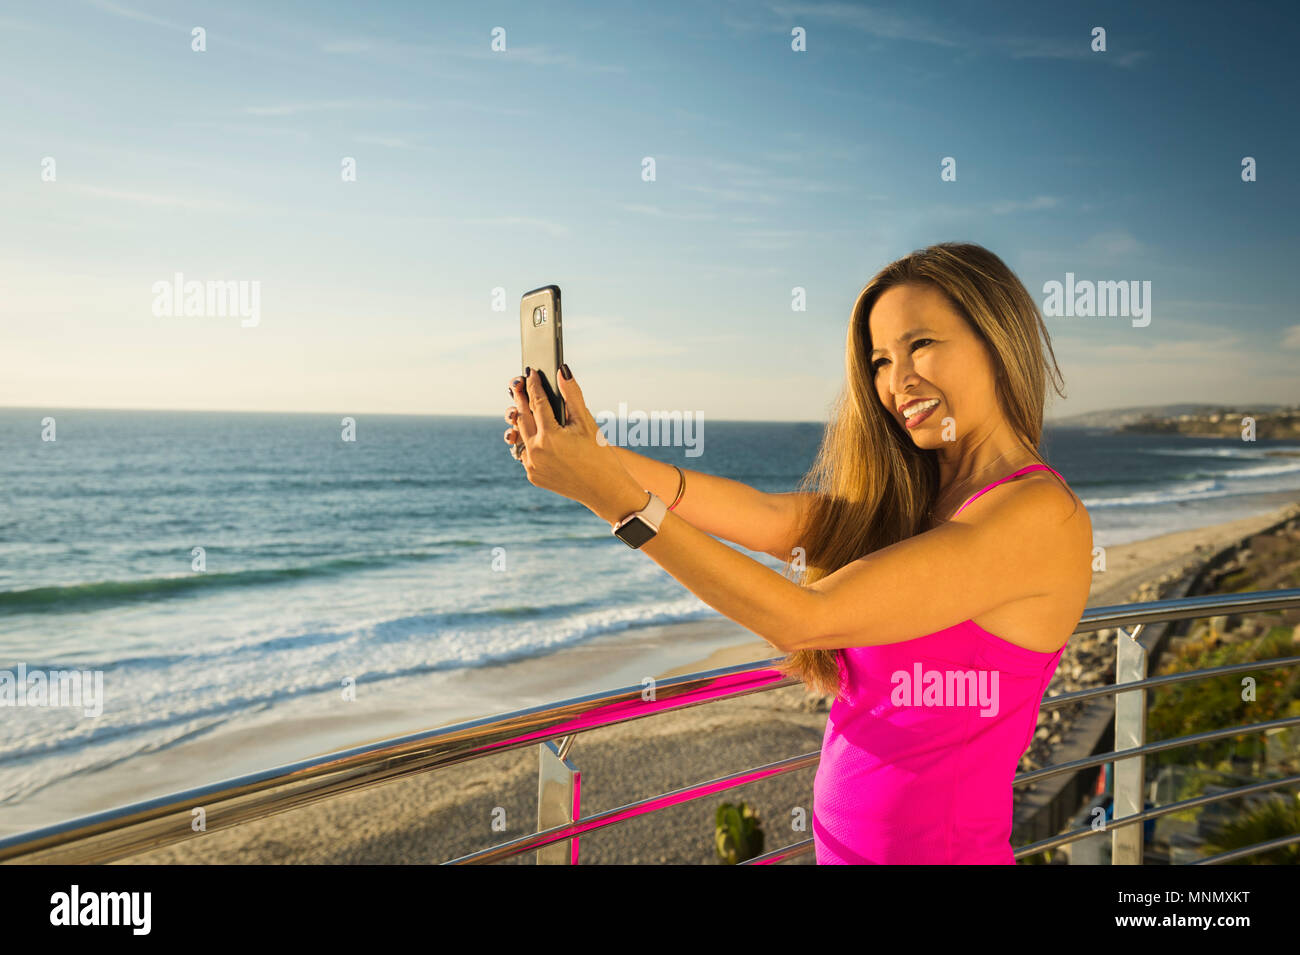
153,823
1074,835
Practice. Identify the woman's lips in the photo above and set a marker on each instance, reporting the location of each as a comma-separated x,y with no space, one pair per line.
916,419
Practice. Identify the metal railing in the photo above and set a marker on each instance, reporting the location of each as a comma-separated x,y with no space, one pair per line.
154,823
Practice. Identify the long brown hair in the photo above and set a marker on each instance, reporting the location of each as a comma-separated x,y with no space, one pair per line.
870,486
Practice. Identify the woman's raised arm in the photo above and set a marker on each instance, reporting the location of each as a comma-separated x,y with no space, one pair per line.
722,507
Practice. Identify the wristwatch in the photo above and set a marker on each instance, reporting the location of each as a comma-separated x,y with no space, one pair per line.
639,526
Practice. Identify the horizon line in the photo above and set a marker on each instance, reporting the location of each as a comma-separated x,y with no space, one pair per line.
429,414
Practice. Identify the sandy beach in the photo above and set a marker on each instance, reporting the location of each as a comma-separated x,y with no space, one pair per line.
443,815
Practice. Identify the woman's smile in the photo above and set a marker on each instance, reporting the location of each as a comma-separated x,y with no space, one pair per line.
927,408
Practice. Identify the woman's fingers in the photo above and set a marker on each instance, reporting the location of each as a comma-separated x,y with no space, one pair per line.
524,420
516,445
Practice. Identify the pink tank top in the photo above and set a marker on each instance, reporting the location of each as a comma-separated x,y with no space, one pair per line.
917,762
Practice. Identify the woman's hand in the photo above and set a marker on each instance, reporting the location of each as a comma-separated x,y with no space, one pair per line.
573,460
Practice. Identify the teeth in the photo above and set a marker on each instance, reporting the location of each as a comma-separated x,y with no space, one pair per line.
913,410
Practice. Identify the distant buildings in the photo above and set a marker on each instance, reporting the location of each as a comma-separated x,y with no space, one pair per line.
1281,424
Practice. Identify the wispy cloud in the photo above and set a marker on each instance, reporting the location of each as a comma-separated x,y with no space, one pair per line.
1051,48
606,337
392,142
886,24
1291,337
895,25
282,39
291,109
1115,244
1009,206
244,129
714,269
733,195
348,46
543,56
659,213
118,10
152,198
729,167
523,222
1217,308
943,211
728,180
1193,349
479,106
707,118
396,51
771,240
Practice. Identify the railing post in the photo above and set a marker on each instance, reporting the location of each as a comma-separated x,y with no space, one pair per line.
558,800
1130,731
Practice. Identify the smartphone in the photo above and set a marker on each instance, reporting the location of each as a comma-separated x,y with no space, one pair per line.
541,341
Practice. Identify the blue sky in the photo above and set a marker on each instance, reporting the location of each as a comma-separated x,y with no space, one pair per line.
478,170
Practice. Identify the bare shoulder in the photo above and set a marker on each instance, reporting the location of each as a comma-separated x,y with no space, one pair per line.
1038,507
1046,531
1057,502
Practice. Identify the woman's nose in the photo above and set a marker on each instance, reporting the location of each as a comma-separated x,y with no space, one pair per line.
900,377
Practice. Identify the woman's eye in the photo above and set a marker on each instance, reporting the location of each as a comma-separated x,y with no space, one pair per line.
875,365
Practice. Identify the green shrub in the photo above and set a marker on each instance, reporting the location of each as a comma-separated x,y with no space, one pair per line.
1279,816
1186,708
738,833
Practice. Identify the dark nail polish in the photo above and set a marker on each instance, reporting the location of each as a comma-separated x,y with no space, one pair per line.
527,372
568,375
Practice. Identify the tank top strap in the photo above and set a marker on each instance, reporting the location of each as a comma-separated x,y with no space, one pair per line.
1031,467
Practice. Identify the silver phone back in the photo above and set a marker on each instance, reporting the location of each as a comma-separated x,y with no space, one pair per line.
541,340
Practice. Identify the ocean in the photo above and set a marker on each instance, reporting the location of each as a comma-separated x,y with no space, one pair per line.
416,550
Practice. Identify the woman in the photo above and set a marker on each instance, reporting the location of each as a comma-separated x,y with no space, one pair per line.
944,566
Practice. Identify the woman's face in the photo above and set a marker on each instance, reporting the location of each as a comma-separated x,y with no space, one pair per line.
923,348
